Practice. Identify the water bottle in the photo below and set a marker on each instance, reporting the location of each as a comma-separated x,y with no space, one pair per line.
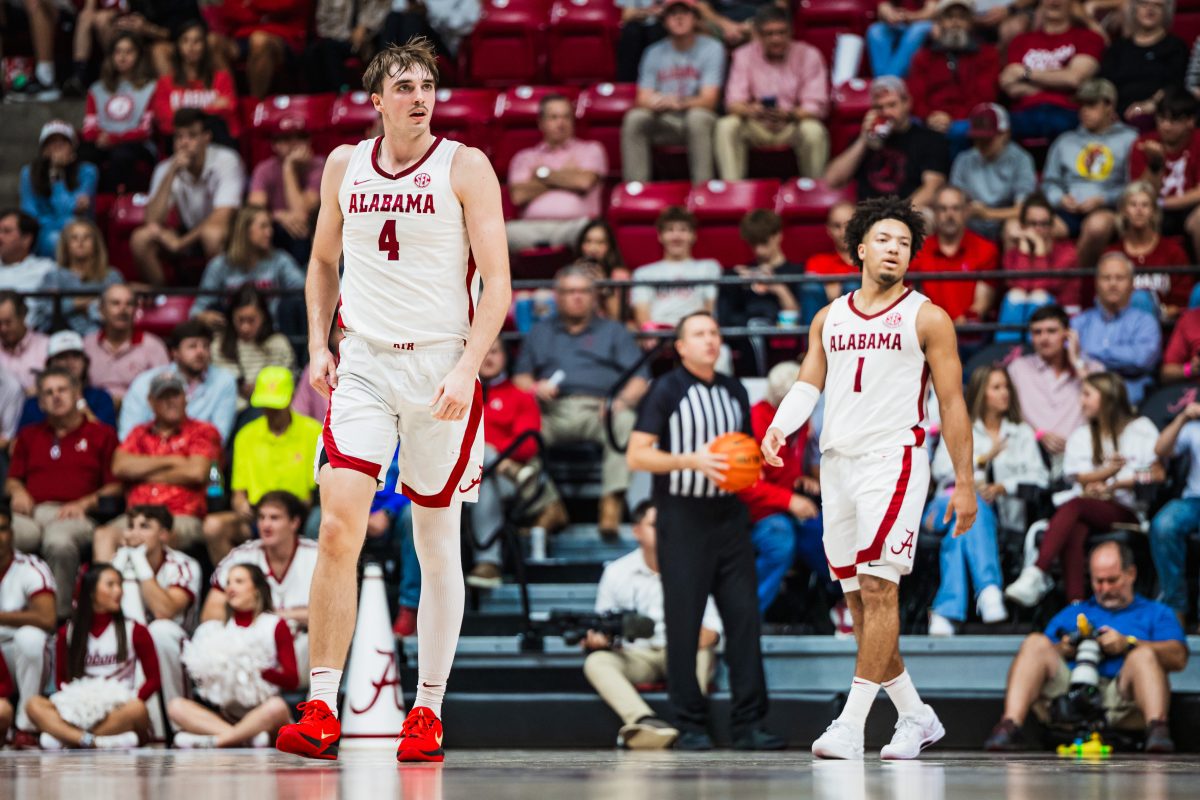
215,493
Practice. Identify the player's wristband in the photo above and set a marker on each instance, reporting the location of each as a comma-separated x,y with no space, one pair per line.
795,409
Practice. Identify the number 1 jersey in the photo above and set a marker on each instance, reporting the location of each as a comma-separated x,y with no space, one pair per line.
406,280
876,377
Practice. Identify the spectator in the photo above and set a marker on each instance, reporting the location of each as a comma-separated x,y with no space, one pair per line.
22,350
268,34
777,93
211,391
1169,159
666,305
168,582
762,302
632,583
1141,642
65,351
732,20
248,606
344,29
896,38
1032,244
57,186
1146,60
83,650
679,85
60,470
286,559
21,270
445,22
12,401
1046,67
1139,223
202,182
837,262
1086,169
275,451
571,362
1105,460
997,174
43,28
953,248
118,122
116,352
1181,359
95,23
196,81
556,184
891,155
641,26
165,462
598,244
154,21
288,186
1125,339
1175,522
250,343
82,266
1006,457
953,73
27,618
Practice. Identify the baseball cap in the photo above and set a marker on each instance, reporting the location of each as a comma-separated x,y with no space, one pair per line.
57,127
945,5
987,120
291,124
691,4
165,382
273,388
1097,90
64,342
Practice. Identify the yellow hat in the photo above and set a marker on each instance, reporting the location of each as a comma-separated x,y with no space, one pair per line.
273,388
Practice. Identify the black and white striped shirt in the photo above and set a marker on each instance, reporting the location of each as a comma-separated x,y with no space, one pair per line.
686,413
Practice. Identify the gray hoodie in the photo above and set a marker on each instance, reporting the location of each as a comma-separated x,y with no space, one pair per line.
1085,164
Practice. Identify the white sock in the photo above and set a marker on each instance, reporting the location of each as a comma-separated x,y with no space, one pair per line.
904,694
323,683
44,72
261,739
437,537
119,741
858,704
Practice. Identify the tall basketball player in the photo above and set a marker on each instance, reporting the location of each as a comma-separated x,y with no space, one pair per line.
406,211
872,352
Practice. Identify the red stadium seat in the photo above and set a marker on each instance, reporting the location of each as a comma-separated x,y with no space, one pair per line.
465,115
160,313
1187,24
804,205
582,45
847,16
516,123
350,117
508,44
599,113
850,102
268,116
719,207
127,212
632,212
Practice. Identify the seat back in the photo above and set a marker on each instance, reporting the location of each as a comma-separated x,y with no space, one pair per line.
465,115
632,212
599,113
803,204
719,207
582,43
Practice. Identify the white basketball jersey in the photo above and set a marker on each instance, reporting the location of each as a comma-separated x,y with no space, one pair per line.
406,280
289,589
25,577
876,377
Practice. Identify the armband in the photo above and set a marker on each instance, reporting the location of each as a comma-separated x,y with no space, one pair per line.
795,409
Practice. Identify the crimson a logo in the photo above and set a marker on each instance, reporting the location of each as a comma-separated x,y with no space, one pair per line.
390,677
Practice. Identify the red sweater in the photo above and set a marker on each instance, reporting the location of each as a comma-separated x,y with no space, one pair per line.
934,86
287,19
1172,290
773,492
219,100
7,688
509,413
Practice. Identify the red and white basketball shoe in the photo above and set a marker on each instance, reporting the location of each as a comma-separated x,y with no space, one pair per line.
316,735
421,737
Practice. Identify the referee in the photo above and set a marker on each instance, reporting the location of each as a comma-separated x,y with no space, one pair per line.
703,534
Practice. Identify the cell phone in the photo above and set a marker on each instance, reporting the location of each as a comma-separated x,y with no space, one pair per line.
769,102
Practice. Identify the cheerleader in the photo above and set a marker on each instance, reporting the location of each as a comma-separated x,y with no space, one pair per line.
240,667
97,659
7,688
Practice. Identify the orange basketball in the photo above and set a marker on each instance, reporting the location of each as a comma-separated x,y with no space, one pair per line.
744,460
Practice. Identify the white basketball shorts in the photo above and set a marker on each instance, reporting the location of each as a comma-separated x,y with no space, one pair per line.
872,508
383,397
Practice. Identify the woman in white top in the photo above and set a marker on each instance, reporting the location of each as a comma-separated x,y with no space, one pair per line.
1006,455
1105,459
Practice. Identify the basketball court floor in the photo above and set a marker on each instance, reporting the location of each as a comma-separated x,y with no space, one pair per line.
587,775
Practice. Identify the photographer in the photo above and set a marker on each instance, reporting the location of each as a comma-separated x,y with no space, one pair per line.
632,583
1140,640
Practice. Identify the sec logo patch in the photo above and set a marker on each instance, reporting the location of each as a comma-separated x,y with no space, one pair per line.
422,180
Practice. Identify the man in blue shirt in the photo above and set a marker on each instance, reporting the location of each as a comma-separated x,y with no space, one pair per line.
1180,517
1126,340
211,391
1141,641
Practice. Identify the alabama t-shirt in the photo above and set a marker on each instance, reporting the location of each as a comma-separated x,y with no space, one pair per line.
1045,51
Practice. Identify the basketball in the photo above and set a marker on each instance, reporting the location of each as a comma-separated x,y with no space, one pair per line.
745,460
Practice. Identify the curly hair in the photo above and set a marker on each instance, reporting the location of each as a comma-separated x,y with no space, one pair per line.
877,209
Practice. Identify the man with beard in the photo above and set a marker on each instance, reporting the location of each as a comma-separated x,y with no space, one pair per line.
953,248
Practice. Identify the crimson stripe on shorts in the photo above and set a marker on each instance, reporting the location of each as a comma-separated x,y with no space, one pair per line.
337,459
442,498
873,551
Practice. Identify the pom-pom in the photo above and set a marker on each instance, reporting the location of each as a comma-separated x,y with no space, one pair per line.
84,702
226,663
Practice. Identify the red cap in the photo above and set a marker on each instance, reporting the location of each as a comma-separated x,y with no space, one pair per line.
987,120
691,4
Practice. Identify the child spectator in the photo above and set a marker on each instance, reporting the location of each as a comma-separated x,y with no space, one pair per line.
57,186
118,121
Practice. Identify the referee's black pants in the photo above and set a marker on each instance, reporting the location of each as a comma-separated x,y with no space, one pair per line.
704,548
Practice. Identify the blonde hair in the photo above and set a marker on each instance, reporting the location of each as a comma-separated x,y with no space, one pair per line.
780,380
417,53
98,266
240,254
1136,188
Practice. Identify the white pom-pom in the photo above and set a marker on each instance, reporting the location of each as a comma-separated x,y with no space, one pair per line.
226,663
84,702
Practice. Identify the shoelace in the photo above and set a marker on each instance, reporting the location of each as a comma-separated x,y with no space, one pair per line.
909,724
414,726
313,710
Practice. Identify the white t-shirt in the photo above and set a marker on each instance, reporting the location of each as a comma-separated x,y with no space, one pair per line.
1135,444
669,304
25,577
25,276
628,584
288,589
219,185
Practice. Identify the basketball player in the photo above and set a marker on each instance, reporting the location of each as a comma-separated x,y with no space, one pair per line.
873,351
406,210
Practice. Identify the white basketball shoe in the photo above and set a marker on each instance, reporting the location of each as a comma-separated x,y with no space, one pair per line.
914,732
839,741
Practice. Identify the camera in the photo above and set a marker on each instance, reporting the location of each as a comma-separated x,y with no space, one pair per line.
573,626
1083,704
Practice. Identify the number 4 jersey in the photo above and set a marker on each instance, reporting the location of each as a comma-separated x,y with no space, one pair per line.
406,280
876,378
